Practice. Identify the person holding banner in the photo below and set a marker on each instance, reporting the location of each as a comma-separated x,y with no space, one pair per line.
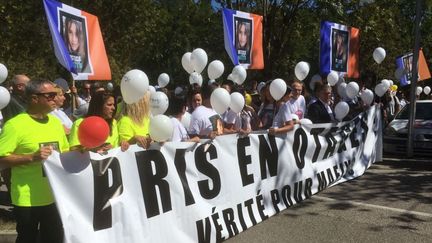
320,111
103,105
283,122
205,122
134,123
25,142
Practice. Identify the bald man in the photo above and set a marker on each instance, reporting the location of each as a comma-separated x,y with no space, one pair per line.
18,102
17,105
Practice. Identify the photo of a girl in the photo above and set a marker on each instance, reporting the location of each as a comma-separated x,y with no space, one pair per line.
73,32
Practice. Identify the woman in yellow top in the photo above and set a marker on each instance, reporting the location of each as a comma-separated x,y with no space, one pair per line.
133,125
102,104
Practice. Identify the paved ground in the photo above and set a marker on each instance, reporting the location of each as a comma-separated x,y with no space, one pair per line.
392,202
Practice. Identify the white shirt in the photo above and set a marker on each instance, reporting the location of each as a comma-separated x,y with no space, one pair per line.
179,131
65,120
297,106
282,116
201,120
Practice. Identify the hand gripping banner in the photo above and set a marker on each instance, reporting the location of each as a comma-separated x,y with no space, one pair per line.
77,41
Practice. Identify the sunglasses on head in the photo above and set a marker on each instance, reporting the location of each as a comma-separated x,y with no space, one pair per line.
48,95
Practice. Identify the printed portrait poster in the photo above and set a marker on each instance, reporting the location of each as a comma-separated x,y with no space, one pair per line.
243,38
405,62
77,41
339,49
74,32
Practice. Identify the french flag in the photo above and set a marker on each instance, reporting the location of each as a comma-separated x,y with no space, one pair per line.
243,38
405,62
77,40
339,49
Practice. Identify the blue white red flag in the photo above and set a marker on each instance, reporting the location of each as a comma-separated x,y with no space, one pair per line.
404,63
243,38
77,40
339,49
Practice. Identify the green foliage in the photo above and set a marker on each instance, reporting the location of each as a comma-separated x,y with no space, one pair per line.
153,35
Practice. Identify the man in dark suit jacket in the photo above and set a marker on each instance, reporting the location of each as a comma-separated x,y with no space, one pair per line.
320,111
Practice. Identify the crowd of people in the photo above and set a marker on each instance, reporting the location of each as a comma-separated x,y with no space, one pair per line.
43,116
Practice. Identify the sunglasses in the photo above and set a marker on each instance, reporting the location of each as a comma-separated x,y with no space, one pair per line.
48,95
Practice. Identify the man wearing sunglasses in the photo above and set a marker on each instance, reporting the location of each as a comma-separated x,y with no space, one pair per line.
25,142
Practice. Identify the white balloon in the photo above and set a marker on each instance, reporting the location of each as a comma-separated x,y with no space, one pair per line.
301,70
4,97
315,79
195,78
352,90
341,89
341,110
367,96
390,82
305,121
151,89
163,80
419,90
215,69
158,103
133,86
379,55
332,78
3,73
237,102
198,60
427,90
161,128
186,120
399,73
380,89
238,75
186,62
386,83
278,88
220,100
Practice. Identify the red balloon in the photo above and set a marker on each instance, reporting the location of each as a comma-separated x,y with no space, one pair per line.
93,132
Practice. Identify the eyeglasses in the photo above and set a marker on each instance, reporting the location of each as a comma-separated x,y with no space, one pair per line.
48,95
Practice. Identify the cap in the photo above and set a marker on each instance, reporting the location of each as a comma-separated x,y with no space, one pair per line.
62,84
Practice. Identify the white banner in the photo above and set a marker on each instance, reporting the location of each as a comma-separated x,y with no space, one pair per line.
206,192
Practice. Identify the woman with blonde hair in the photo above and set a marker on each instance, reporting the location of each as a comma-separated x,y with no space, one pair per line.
133,125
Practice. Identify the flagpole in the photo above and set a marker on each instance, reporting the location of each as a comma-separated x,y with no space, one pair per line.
414,78
74,104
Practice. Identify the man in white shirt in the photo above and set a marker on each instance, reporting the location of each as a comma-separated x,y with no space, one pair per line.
297,103
205,122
